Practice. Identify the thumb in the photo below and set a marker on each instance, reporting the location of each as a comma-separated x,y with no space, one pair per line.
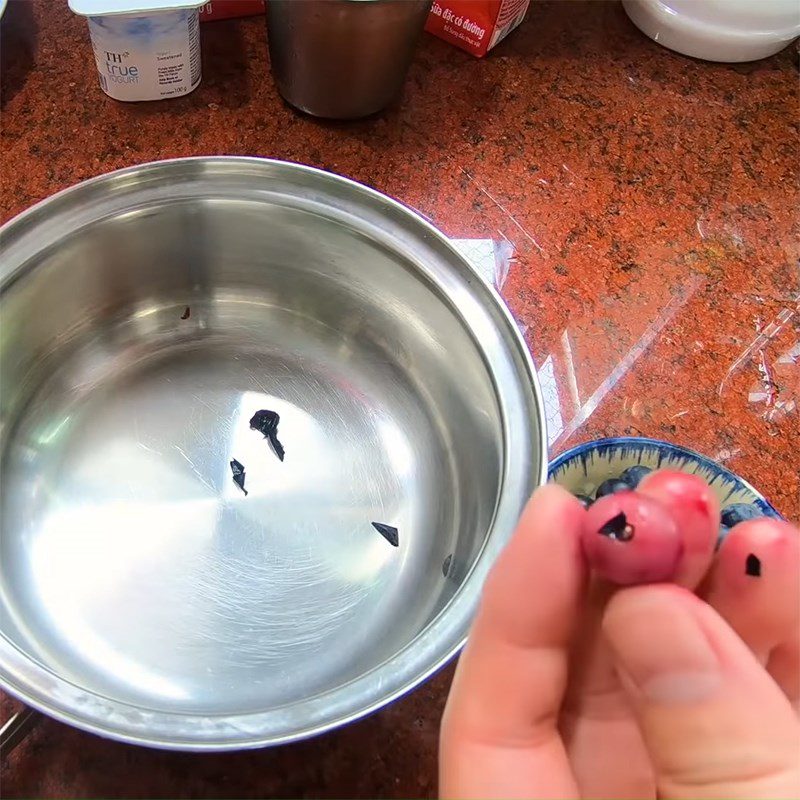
714,722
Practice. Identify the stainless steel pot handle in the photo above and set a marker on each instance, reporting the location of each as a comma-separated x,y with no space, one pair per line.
17,728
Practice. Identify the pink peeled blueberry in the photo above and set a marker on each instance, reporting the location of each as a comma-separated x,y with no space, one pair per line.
631,538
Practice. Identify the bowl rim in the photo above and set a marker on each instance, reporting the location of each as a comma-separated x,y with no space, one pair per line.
520,406
642,442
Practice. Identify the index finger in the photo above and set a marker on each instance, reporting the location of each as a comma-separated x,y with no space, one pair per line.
499,732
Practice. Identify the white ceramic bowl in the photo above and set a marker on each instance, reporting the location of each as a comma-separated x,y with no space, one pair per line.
718,30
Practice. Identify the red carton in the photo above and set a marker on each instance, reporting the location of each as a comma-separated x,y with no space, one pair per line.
475,25
224,9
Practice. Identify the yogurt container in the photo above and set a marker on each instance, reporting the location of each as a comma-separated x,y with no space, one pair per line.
148,50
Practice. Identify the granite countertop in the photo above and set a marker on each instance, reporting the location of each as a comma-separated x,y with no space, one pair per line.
651,204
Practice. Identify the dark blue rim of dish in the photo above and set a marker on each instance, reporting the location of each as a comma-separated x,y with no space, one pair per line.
665,451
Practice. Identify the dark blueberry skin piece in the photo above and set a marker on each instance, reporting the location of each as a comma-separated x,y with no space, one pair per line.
277,447
611,486
237,470
446,565
633,476
752,566
266,422
584,500
389,532
739,512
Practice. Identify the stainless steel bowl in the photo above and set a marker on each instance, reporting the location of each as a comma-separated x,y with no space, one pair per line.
145,596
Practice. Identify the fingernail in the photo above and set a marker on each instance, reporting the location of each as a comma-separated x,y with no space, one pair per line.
660,647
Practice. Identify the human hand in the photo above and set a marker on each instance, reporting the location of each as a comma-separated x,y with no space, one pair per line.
570,687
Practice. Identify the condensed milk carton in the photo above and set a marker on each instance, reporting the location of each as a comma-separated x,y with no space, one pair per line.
475,25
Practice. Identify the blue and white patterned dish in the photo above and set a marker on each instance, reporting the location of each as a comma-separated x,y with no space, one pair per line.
583,468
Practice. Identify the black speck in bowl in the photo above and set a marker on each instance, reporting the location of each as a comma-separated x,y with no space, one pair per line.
446,565
388,532
266,423
237,468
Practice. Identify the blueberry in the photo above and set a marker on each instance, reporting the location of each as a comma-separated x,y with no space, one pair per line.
584,500
633,476
739,512
611,486
724,530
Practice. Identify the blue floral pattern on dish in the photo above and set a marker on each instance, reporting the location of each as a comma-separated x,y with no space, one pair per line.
583,468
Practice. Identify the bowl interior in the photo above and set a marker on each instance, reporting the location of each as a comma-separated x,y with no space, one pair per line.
135,350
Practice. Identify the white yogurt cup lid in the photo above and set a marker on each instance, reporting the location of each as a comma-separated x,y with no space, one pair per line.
102,8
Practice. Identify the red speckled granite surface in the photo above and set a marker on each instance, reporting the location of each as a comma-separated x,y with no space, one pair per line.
651,201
